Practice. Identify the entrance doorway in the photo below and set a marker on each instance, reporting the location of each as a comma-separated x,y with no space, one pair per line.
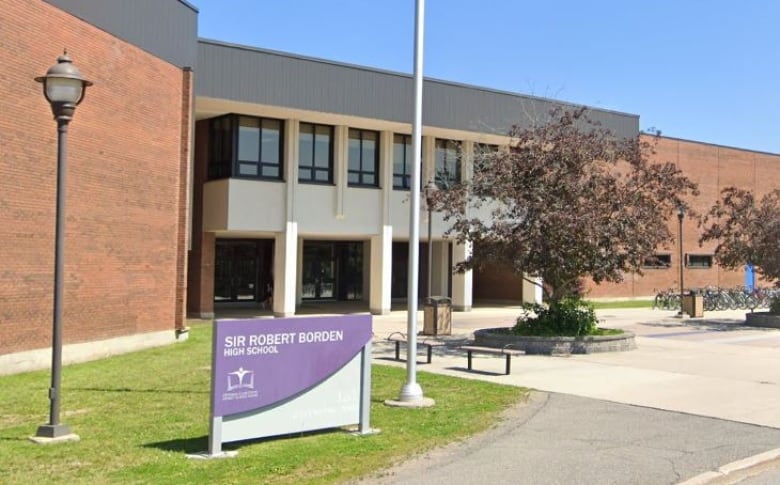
332,270
242,270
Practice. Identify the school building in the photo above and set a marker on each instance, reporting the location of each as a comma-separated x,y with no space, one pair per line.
205,175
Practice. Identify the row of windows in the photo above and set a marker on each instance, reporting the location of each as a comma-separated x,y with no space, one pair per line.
246,146
661,261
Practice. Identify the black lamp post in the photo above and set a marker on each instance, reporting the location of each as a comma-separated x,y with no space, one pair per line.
680,215
64,89
430,193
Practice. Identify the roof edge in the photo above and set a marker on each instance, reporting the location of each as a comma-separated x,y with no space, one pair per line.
359,67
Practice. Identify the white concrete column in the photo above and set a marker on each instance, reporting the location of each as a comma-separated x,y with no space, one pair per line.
381,245
467,160
381,271
441,270
291,131
285,270
386,174
532,293
428,159
340,154
299,273
462,283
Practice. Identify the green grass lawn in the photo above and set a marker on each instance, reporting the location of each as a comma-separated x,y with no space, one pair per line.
139,414
601,305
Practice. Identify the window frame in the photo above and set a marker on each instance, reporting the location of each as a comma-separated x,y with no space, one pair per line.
313,168
224,137
406,175
448,145
665,261
710,261
259,163
362,171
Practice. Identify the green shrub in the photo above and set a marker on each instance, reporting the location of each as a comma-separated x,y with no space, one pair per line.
570,317
774,305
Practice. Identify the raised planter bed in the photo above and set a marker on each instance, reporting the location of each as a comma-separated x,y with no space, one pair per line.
499,337
762,319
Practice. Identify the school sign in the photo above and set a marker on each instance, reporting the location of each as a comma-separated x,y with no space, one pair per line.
273,377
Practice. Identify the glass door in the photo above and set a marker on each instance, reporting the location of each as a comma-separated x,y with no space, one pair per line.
236,271
319,271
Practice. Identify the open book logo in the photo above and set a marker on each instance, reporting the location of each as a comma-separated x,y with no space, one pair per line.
241,379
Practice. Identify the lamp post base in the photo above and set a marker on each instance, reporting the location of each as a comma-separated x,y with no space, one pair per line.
53,433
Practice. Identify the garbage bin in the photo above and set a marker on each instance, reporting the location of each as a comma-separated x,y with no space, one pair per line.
693,305
437,316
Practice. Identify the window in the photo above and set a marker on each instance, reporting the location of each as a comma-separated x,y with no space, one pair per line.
402,161
698,260
483,155
315,153
259,147
245,146
447,170
363,164
658,261
220,147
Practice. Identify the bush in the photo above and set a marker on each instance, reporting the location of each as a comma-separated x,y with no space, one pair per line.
774,305
570,317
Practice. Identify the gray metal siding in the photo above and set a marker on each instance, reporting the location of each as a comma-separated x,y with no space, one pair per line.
166,28
252,75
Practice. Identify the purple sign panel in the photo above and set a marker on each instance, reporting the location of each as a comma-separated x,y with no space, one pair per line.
261,362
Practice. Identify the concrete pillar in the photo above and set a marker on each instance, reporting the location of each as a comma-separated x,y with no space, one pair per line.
462,283
381,268
286,271
381,245
441,270
340,154
286,243
532,293
428,170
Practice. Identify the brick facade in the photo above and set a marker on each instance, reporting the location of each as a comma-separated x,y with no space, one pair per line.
714,168
200,285
125,236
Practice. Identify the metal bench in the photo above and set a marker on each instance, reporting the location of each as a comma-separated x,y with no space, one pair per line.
506,351
400,338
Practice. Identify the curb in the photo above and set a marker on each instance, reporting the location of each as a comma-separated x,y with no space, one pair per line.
743,465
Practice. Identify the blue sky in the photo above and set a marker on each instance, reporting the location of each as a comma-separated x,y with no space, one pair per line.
694,69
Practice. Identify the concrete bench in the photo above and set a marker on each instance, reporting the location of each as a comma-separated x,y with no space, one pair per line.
505,351
400,338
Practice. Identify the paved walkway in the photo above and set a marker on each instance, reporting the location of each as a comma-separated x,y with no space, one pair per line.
697,394
708,367
681,372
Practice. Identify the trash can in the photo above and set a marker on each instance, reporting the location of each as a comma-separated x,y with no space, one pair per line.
693,305
437,316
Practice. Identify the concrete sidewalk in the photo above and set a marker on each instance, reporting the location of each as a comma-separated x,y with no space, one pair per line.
708,367
642,416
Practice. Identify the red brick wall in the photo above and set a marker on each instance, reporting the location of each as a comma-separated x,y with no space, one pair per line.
124,266
713,168
495,283
200,287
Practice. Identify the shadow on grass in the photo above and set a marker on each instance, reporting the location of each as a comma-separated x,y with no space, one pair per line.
185,445
201,443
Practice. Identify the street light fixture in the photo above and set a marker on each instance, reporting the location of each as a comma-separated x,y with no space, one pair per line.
430,199
64,89
680,215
